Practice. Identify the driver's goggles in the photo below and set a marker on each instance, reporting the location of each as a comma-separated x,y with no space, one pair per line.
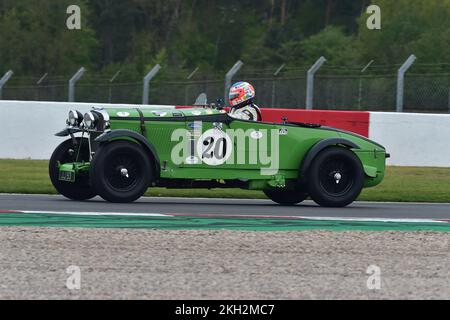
234,95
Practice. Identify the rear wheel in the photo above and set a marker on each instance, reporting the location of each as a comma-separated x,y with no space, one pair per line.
68,152
121,171
335,178
286,197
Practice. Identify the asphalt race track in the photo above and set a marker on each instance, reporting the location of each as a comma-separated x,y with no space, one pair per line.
226,207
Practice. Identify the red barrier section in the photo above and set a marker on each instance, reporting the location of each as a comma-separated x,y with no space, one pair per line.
354,121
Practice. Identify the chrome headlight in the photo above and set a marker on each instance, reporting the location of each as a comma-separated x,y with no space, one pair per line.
104,120
75,118
90,120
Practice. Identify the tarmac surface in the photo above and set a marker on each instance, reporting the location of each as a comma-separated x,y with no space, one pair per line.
224,207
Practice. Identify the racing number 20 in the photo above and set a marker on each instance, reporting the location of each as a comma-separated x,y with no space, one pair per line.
215,149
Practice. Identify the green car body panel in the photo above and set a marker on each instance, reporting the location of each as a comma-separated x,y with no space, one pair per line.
156,128
122,152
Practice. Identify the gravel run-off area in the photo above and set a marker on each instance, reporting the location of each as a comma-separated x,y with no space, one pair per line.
159,264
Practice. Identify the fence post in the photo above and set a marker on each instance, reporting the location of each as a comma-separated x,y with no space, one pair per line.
230,74
273,83
77,76
42,78
401,81
360,84
448,99
38,83
147,80
110,83
4,80
310,82
189,77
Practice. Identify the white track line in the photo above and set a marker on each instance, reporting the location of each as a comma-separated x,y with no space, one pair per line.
376,220
97,213
345,219
355,219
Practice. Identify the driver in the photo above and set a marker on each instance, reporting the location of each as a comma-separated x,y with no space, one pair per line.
241,97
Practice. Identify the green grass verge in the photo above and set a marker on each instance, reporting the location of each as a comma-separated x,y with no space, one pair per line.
404,184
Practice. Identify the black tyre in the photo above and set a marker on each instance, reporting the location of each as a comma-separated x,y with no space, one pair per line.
68,152
286,197
335,178
121,171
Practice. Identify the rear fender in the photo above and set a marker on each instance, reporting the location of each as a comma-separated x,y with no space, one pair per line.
317,148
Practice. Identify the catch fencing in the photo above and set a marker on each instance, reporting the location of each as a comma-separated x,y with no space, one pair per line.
335,88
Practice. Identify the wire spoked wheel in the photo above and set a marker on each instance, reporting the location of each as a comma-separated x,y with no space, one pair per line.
335,178
121,171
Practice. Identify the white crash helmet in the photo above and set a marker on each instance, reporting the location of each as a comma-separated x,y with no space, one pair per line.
241,93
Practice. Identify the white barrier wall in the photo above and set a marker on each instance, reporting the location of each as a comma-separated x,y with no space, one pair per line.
27,131
413,139
27,128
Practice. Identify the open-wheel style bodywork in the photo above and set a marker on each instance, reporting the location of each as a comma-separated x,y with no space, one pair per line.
119,153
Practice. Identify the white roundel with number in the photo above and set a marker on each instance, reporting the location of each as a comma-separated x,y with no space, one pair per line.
123,114
214,147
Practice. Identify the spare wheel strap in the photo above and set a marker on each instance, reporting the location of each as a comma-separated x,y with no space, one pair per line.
141,116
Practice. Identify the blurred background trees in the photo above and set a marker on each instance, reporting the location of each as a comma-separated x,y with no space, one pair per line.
133,35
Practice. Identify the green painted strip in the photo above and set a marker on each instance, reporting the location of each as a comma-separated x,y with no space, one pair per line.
178,223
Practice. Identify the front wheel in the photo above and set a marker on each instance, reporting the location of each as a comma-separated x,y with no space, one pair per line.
121,171
68,152
286,197
335,178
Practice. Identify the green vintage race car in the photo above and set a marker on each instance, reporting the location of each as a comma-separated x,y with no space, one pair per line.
119,153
